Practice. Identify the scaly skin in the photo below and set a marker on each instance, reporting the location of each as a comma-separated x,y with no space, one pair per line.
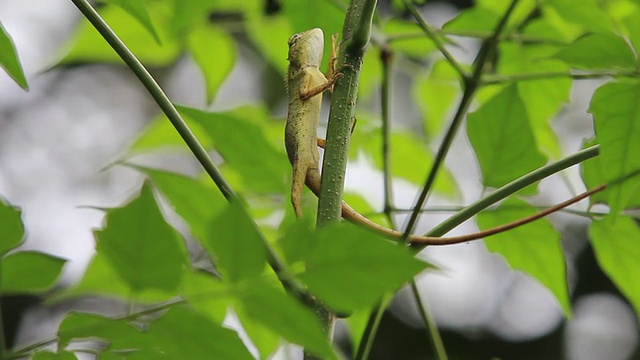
305,85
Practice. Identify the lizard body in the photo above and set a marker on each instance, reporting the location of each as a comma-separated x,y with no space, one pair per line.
305,84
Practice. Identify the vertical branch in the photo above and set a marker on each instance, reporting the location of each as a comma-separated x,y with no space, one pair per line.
386,58
355,35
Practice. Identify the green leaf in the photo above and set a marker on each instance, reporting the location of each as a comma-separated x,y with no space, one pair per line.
194,200
542,98
350,268
303,15
160,134
297,240
543,28
138,9
533,248
245,147
9,59
598,51
411,159
101,278
29,271
185,334
615,243
473,19
47,355
435,96
272,43
285,316
484,16
585,13
502,138
141,247
520,13
83,326
370,76
263,338
11,228
593,175
87,45
413,46
632,23
410,156
616,110
207,294
214,51
236,244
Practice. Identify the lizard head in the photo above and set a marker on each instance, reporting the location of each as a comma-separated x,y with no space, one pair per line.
305,48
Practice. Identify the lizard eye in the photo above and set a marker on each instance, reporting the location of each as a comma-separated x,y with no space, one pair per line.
293,39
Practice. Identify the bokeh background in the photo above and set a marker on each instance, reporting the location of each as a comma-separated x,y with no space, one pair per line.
59,142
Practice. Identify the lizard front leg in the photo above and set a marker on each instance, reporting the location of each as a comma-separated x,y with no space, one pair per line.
327,85
332,74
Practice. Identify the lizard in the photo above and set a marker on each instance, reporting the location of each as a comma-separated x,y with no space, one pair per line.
305,84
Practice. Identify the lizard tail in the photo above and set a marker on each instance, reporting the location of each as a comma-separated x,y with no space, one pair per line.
299,174
349,213
313,182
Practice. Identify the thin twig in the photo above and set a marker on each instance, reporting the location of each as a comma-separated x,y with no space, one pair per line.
431,33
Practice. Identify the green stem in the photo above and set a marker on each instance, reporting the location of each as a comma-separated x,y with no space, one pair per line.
355,34
479,34
431,34
366,342
511,188
499,79
386,58
471,86
453,209
183,129
427,319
